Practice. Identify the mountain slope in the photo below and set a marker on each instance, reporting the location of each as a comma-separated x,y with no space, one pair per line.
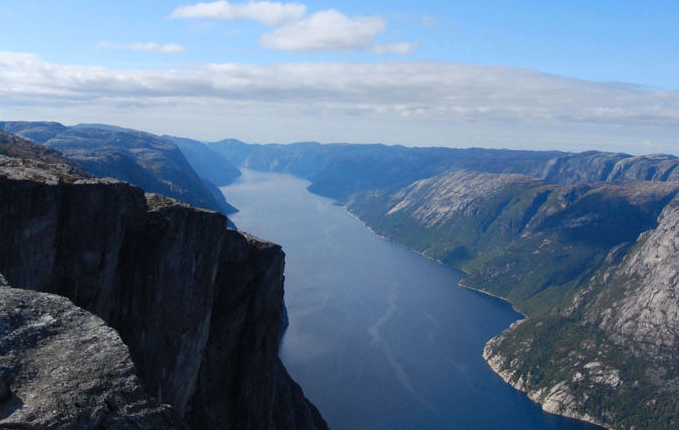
615,353
209,165
143,159
594,166
515,236
339,170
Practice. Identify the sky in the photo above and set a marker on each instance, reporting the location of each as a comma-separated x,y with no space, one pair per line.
526,74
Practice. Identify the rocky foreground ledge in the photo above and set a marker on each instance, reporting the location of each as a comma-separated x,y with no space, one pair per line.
198,305
61,367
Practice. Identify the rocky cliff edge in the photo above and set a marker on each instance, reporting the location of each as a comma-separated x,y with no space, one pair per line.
198,305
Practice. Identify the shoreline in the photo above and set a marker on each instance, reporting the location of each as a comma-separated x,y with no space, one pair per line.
459,284
492,361
506,375
485,354
351,214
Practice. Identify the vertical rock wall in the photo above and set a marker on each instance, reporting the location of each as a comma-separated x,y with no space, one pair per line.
199,305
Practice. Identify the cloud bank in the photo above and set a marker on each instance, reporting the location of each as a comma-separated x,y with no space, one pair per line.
380,96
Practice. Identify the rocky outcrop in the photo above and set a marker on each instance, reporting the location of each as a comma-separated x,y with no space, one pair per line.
639,303
198,305
62,367
456,193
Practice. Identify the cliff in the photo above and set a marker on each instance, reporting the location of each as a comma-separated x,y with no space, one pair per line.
198,305
615,362
62,367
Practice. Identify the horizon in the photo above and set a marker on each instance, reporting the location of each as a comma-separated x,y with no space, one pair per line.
527,75
207,142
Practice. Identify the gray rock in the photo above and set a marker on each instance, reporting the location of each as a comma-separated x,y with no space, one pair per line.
63,368
198,305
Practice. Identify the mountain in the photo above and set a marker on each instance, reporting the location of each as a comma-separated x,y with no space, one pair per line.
15,147
210,165
340,170
142,159
199,306
594,166
583,244
611,357
515,236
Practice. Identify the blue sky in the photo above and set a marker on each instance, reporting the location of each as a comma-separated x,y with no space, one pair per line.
520,74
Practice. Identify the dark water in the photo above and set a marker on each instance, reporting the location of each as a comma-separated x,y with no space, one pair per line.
380,337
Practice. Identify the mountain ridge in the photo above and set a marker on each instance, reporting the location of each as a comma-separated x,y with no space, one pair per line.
143,159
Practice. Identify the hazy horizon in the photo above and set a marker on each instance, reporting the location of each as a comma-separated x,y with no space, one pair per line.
525,75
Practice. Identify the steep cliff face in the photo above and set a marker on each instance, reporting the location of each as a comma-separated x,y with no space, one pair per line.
612,356
639,302
198,305
62,367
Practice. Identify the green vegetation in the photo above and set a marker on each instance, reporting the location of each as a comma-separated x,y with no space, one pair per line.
550,349
540,246
533,243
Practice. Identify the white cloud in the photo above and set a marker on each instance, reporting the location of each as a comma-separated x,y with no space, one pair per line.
325,30
264,12
406,102
395,48
170,48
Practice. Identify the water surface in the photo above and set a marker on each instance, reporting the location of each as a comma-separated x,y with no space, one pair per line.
380,338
